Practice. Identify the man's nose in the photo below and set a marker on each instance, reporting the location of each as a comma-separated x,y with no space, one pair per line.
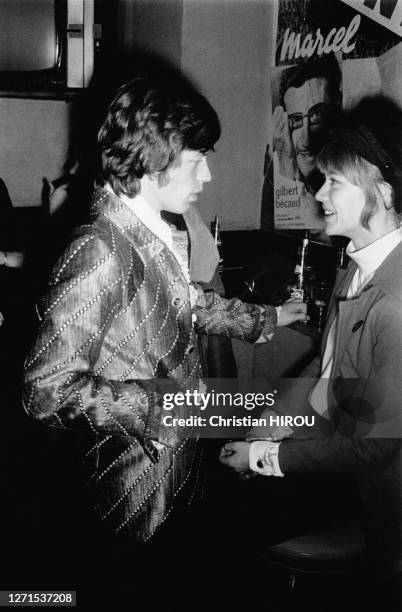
304,131
204,173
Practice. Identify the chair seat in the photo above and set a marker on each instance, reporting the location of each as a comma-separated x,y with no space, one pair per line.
338,548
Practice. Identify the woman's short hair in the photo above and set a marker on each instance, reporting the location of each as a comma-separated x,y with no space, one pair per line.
341,156
146,127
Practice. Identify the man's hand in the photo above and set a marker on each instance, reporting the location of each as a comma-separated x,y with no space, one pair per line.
291,312
13,259
282,142
235,455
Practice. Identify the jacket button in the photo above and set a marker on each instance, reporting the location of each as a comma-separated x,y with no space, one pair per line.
357,325
176,301
189,349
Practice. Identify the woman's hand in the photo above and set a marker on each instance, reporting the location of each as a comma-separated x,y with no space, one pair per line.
235,455
291,312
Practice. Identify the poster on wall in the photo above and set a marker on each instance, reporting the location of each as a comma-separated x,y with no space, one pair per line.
328,55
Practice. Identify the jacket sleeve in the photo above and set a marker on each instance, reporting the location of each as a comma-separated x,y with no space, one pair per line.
387,349
381,405
336,455
61,386
232,317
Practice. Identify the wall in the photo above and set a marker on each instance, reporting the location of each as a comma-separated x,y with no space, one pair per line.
226,51
152,26
223,46
34,141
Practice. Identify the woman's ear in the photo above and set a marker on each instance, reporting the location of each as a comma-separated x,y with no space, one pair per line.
386,192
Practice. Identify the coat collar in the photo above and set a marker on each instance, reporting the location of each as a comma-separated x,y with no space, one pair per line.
388,275
114,210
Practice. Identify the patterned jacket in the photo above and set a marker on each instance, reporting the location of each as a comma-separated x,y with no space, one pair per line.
115,334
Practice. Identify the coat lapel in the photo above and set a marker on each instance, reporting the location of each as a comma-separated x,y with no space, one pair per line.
339,293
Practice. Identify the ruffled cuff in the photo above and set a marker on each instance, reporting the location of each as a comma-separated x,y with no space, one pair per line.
263,458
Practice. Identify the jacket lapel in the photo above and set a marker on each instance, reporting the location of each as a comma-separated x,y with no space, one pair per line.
339,293
352,313
387,277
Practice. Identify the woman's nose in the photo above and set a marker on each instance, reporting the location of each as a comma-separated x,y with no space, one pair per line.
322,193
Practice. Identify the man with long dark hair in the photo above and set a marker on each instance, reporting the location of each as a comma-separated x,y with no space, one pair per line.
117,321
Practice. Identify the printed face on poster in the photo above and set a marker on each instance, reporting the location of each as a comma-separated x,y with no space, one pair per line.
328,56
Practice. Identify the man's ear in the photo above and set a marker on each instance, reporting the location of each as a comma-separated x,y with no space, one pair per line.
150,182
386,192
149,178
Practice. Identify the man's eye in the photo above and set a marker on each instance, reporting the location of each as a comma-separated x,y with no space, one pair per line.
316,115
295,120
